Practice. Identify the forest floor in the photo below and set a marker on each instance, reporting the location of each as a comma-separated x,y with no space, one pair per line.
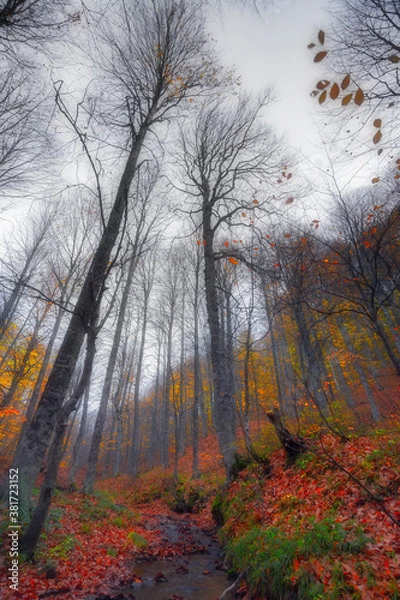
308,531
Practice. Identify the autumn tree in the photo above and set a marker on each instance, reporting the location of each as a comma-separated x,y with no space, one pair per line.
225,153
153,58
366,278
141,224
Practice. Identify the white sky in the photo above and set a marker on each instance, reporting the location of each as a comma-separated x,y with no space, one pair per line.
273,51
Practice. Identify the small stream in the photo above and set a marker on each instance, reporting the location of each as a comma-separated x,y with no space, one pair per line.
195,574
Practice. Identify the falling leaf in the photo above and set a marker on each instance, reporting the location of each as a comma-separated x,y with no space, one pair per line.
287,235
377,206
289,176
255,201
321,37
347,99
226,244
359,97
243,214
289,200
375,179
345,83
377,123
233,260
394,58
321,85
377,137
320,56
334,93
322,97
312,45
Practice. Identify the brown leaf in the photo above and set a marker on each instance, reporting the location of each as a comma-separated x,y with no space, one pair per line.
334,93
394,58
375,179
322,97
345,83
359,97
321,37
377,123
233,260
320,56
312,45
321,85
289,200
347,99
377,137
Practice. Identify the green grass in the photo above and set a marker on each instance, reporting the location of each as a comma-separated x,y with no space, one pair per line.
61,550
138,540
272,554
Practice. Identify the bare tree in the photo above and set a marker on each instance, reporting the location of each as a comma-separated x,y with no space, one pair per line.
367,44
31,21
155,58
225,154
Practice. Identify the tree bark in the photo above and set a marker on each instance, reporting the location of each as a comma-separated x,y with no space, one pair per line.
32,533
224,407
37,438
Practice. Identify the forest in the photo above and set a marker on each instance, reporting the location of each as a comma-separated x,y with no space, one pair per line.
199,322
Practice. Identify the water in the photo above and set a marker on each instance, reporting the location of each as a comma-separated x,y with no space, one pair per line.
194,575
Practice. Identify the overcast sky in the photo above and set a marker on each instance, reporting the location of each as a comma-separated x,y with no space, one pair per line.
273,51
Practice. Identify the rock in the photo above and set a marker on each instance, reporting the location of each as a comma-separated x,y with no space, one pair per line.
49,571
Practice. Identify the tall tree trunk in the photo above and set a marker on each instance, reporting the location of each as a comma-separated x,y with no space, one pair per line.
197,378
80,437
39,382
105,394
154,438
361,374
277,367
136,395
165,406
310,361
32,533
224,407
38,436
